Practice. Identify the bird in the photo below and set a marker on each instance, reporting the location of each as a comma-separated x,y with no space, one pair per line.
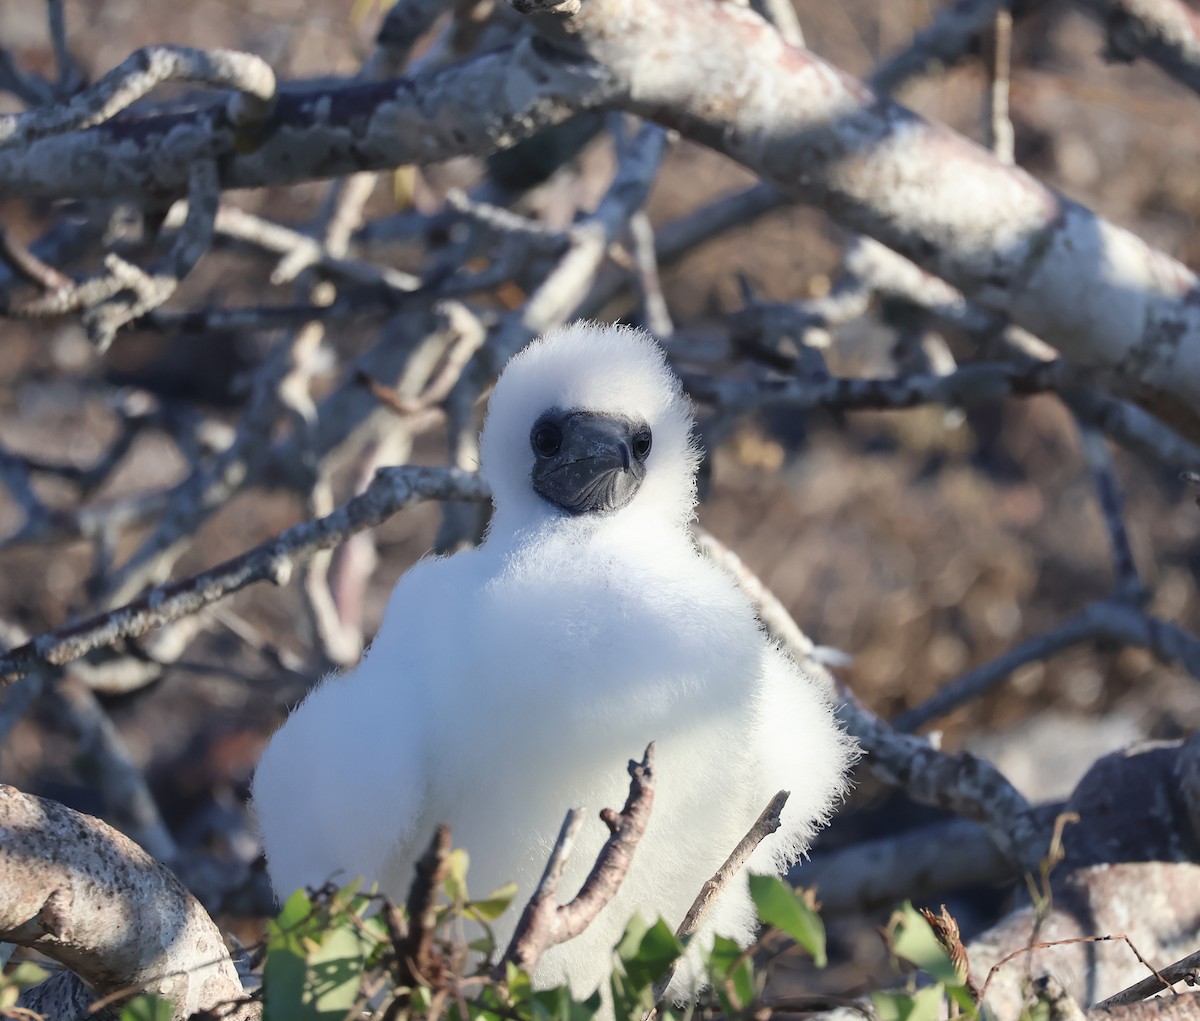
512,681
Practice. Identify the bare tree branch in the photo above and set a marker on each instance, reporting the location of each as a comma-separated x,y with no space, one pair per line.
87,896
1166,32
1104,297
486,103
947,39
768,821
392,490
142,71
1185,970
415,950
917,864
544,922
1113,620
965,386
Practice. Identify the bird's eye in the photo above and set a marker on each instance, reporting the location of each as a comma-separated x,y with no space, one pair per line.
641,444
546,439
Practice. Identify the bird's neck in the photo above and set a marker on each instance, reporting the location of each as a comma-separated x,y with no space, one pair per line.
552,529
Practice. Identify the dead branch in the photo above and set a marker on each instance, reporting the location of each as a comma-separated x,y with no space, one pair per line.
1107,298
945,42
1186,970
1110,619
78,891
1166,32
415,953
767,823
483,104
142,71
545,923
962,783
968,385
274,561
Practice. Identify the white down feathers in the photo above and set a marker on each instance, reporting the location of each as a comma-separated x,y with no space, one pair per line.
514,681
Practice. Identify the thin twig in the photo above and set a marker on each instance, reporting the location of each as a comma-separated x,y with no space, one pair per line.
29,266
767,823
1113,620
544,923
1128,583
999,124
1044,945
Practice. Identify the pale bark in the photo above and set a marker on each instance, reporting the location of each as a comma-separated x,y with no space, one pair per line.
75,889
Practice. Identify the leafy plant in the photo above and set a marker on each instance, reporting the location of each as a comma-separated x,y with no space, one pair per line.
19,977
912,939
337,952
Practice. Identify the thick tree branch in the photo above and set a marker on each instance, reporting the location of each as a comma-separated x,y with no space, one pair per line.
487,103
1185,970
1100,294
85,895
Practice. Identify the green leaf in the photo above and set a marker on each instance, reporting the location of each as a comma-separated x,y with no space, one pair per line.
457,863
147,1007
923,1005
913,939
494,904
657,949
732,974
27,974
334,971
293,918
315,959
484,946
643,956
631,938
559,1005
781,906
520,986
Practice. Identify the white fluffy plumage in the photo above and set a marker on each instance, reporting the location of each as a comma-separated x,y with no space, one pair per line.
511,682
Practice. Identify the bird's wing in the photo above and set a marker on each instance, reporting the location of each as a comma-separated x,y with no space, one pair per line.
801,749
340,788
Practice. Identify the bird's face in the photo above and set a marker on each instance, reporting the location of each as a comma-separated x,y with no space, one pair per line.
588,463
589,423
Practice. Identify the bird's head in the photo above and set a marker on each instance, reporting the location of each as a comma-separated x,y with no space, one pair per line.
589,421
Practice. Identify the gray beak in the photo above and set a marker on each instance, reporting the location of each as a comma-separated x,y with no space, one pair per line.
588,463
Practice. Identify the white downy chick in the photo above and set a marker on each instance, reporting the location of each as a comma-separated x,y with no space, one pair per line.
514,681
